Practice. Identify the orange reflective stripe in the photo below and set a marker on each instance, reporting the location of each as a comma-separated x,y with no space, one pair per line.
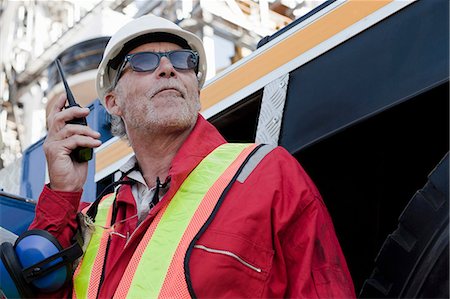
125,283
175,282
97,269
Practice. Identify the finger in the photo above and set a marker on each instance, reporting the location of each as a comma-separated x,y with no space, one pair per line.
58,105
71,113
60,148
73,129
75,141
60,119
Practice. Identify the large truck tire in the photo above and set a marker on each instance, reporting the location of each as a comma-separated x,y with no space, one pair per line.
414,260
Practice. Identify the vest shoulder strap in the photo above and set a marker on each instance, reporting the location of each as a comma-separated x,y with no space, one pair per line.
254,161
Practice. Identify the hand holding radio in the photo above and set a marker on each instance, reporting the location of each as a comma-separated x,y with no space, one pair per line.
69,143
80,154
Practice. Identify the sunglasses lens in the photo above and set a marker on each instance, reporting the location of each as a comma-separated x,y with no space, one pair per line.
148,61
144,62
183,60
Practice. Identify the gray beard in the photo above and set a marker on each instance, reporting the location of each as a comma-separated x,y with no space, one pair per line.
152,121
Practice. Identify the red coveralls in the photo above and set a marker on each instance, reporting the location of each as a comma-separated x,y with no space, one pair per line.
275,220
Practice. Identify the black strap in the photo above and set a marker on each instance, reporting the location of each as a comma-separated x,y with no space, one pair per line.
92,211
68,255
155,198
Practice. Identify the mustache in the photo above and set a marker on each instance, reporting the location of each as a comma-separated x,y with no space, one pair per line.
169,84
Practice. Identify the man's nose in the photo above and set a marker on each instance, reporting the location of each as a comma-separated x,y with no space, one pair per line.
166,69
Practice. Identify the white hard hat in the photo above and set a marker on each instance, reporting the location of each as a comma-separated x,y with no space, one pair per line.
141,30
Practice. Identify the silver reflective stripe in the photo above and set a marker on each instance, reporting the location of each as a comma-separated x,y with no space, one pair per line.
254,161
228,253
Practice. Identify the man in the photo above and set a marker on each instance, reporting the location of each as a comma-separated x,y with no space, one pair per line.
196,216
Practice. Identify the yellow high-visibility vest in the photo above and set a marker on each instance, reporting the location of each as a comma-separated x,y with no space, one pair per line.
156,267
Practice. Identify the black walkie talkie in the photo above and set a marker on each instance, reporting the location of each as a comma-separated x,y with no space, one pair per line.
80,154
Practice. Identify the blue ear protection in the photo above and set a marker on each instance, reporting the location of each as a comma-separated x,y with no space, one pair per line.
36,263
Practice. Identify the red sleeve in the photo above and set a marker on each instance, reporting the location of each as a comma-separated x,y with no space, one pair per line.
315,266
320,271
56,212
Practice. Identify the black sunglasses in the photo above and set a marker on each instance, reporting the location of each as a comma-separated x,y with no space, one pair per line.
149,61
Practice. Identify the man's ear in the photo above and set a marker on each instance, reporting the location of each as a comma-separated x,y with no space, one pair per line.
111,104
